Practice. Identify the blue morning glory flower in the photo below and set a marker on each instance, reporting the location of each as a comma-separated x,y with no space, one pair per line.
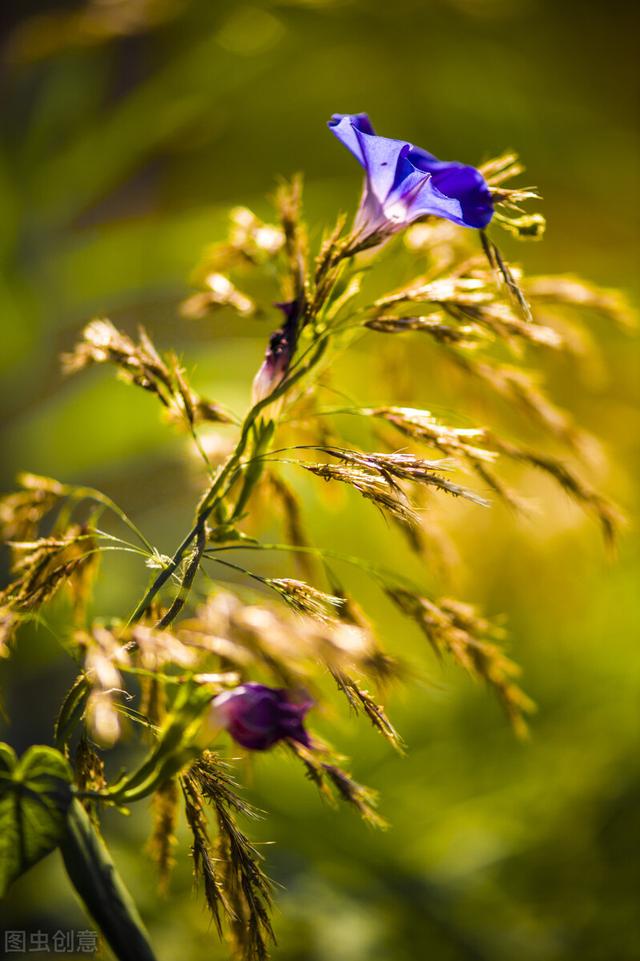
403,183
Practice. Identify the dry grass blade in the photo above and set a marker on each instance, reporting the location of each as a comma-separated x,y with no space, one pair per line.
285,642
22,512
496,172
251,242
570,291
332,780
289,206
454,628
607,514
361,797
247,888
519,386
103,343
141,364
421,425
481,447
465,335
505,275
305,599
372,485
361,700
104,656
505,167
327,267
525,226
43,566
204,860
162,842
388,468
219,292
90,774
471,299
412,468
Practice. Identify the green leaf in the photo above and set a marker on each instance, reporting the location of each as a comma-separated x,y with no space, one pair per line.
102,891
35,794
8,760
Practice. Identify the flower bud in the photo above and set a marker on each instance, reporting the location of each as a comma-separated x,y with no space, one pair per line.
282,345
257,716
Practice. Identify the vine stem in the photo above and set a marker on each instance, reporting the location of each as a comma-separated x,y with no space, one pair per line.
228,473
383,575
90,493
220,486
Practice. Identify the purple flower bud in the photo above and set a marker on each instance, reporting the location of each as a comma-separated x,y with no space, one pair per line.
403,182
282,345
257,716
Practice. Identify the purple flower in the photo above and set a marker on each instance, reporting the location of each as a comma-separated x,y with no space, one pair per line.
257,716
403,183
282,345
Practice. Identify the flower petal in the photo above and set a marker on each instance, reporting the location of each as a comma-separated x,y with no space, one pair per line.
345,125
381,157
416,196
459,181
404,182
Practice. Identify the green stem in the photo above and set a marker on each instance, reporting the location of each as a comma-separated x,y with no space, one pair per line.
226,477
89,493
223,482
263,435
381,574
165,574
99,886
187,581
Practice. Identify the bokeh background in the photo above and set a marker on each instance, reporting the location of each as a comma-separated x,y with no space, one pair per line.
129,127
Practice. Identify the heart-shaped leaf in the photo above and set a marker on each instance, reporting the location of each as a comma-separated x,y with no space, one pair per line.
35,794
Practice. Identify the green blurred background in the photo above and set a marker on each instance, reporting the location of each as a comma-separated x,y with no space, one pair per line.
128,129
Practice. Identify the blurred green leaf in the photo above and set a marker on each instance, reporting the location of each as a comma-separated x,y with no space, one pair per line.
35,794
